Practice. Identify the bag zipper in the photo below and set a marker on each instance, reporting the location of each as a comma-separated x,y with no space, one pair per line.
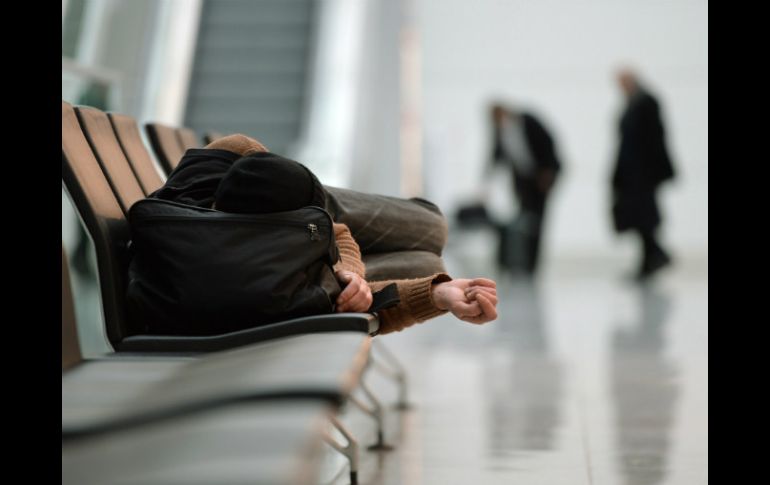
315,235
284,222
266,218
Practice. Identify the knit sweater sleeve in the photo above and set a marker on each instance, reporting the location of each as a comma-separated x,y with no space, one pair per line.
415,294
350,253
416,304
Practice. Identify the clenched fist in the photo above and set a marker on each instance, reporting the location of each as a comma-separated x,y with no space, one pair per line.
470,300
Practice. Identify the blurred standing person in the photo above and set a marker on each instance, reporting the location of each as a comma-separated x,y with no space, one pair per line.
642,164
522,142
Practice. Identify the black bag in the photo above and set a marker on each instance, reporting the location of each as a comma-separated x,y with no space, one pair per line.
474,214
197,271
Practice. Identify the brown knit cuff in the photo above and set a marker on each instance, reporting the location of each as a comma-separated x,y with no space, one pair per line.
418,296
416,302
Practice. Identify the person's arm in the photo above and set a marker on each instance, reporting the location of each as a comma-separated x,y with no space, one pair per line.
350,271
547,175
545,179
544,150
350,253
657,160
470,300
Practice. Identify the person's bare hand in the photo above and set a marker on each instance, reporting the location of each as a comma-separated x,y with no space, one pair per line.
545,180
470,300
357,296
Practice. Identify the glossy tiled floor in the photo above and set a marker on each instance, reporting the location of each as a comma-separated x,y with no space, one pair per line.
584,379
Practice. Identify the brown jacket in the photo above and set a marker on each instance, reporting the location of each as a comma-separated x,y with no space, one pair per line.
416,296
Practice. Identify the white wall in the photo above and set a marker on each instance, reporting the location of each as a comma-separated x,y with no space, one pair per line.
558,57
351,137
376,143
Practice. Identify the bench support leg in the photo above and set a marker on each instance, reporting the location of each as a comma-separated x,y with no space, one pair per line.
349,451
375,411
395,371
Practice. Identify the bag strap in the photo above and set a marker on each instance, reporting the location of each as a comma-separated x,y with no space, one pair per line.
385,298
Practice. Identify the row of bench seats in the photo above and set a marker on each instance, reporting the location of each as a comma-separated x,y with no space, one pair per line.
169,143
242,416
230,408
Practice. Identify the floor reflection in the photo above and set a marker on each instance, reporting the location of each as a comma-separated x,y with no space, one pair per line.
644,390
560,390
524,380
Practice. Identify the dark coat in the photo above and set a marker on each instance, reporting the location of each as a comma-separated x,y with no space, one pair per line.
642,164
542,148
540,145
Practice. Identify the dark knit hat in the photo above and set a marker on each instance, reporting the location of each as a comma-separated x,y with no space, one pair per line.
265,182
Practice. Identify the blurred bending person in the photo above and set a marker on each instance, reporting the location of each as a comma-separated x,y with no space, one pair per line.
521,141
642,164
